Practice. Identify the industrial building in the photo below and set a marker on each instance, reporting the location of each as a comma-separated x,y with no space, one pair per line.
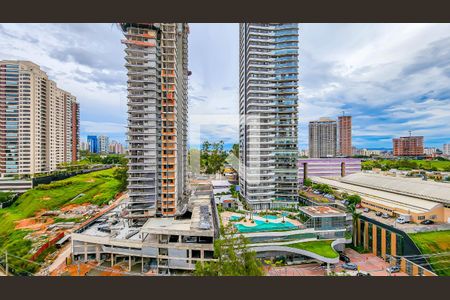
39,122
268,105
327,167
156,60
397,196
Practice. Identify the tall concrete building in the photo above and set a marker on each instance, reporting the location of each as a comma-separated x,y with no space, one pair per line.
103,144
268,113
408,146
157,61
446,149
39,122
345,135
322,138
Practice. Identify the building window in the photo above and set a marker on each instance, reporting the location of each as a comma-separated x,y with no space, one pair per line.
421,218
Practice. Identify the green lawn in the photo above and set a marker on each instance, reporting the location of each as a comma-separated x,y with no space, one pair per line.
408,163
432,243
322,248
98,188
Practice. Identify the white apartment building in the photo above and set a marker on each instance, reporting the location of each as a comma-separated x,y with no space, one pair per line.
268,114
103,144
322,138
446,149
39,123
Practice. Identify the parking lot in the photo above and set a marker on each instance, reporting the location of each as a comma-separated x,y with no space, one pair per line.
367,262
406,227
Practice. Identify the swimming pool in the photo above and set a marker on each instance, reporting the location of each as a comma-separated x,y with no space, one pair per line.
265,226
236,218
270,217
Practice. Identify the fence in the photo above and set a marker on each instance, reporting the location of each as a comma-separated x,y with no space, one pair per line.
47,245
9,202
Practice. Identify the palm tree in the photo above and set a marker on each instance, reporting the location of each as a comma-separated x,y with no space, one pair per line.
355,217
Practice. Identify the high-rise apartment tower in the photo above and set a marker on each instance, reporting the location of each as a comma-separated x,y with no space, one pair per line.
408,146
345,136
322,138
39,122
156,60
268,113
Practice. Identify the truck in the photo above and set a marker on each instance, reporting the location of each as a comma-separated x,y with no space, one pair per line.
403,218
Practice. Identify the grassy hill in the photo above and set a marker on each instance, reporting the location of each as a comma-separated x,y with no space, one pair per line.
97,188
432,243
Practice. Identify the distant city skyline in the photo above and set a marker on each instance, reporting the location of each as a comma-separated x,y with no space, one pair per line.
391,78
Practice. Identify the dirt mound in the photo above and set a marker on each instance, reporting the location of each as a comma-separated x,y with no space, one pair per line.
72,206
36,224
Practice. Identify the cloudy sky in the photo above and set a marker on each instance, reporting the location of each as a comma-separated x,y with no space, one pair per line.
391,78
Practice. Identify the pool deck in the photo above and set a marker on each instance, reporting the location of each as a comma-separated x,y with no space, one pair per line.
227,214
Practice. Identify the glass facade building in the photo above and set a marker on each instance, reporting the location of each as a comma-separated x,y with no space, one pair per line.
268,114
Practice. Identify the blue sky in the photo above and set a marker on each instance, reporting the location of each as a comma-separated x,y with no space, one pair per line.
391,78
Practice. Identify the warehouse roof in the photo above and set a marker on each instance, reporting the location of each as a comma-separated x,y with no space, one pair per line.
394,200
415,187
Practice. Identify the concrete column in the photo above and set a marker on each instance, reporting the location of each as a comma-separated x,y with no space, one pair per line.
112,260
358,232
85,252
374,240
97,253
366,236
383,243
129,263
393,244
415,270
142,264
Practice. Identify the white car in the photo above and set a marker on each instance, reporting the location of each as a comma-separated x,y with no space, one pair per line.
366,210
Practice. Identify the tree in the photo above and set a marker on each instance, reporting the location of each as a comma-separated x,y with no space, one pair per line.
235,150
122,176
212,157
233,258
354,199
355,216
307,182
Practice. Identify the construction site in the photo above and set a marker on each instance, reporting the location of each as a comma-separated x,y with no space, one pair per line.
109,244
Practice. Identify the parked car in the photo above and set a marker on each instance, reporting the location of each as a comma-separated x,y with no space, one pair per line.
350,266
362,273
366,210
316,192
427,222
385,216
344,257
378,214
393,269
358,205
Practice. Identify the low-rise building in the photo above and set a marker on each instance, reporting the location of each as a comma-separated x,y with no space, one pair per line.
397,196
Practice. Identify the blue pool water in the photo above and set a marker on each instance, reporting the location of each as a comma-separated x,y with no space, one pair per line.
265,226
270,217
235,218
